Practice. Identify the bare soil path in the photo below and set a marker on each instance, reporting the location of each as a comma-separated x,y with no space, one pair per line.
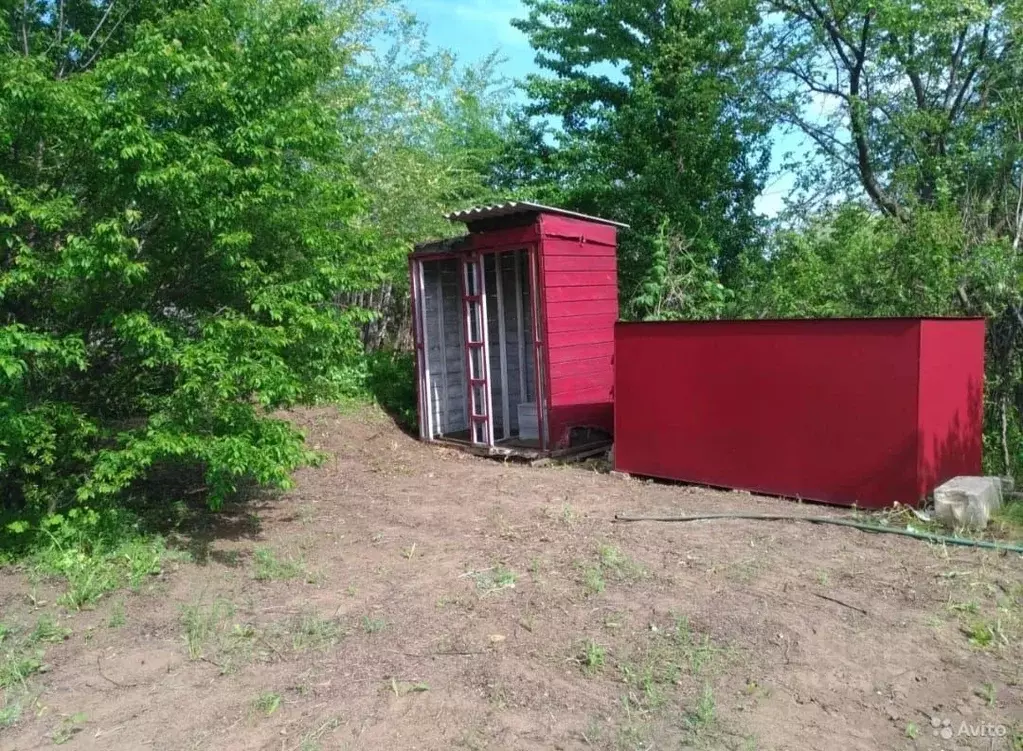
409,597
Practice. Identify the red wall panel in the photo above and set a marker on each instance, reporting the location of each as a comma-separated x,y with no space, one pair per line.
576,294
581,352
579,262
951,410
564,329
554,226
824,410
580,308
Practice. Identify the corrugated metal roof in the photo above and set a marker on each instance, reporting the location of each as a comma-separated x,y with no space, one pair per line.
511,208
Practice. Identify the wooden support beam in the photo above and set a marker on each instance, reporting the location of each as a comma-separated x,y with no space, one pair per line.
421,288
446,396
521,322
502,344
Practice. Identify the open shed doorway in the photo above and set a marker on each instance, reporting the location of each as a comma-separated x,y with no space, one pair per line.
478,354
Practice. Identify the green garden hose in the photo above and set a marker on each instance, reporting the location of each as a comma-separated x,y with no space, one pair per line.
839,522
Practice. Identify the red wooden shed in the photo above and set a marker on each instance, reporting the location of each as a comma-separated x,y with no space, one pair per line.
864,412
514,330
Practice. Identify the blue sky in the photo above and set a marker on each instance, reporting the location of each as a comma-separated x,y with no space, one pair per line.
472,29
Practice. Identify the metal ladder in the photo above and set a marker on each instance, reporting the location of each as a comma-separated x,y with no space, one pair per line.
474,304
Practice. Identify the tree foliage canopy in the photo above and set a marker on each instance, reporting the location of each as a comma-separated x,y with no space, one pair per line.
656,126
176,220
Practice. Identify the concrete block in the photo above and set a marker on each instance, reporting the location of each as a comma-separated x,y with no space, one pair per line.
967,502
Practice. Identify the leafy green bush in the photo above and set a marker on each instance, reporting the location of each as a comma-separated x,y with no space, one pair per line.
175,224
391,380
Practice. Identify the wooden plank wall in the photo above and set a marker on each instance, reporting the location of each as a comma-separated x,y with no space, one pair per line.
581,305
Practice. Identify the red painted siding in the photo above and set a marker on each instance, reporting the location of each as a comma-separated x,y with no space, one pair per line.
580,262
823,410
595,366
575,294
557,326
576,352
951,406
552,226
580,295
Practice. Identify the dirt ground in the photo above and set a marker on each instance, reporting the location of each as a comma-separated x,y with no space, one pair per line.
405,596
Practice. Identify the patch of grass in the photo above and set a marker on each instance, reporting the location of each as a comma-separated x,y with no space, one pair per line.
822,578
704,713
19,656
211,635
10,712
988,694
271,568
618,565
495,579
593,580
48,630
267,703
311,632
373,625
202,624
68,727
117,617
311,739
96,552
1008,520
667,669
592,657
611,564
970,606
984,633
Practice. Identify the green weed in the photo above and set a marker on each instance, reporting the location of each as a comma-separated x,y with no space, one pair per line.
593,580
267,703
987,693
117,617
18,658
373,625
67,728
202,623
593,657
612,564
496,579
271,568
48,630
310,632
703,715
96,552
10,712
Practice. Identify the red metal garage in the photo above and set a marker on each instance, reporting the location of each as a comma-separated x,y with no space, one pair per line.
864,412
518,313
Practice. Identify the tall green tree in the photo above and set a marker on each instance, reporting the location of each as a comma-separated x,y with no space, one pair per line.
422,129
915,109
653,101
175,218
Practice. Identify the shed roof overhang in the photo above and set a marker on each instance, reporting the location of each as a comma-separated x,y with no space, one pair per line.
516,208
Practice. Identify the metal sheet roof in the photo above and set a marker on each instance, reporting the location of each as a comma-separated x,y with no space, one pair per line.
511,208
